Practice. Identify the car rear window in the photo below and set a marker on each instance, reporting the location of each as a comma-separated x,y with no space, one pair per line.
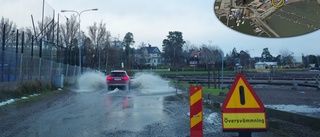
117,74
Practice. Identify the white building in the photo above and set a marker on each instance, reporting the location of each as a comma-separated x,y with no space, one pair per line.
150,56
265,65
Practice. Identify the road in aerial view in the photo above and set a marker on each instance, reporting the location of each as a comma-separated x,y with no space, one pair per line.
150,108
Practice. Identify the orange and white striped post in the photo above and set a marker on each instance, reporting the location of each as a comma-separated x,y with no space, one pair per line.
196,111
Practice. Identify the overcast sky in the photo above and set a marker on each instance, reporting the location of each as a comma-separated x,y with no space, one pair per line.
151,20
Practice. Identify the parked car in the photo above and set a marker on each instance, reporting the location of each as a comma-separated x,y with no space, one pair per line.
118,79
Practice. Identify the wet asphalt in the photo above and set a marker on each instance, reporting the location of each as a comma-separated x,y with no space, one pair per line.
100,113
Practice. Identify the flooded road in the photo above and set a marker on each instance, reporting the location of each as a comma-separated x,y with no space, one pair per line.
91,110
150,108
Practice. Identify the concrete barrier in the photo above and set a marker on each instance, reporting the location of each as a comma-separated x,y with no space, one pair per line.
311,122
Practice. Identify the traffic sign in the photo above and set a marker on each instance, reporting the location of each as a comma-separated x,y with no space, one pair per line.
196,129
242,98
242,109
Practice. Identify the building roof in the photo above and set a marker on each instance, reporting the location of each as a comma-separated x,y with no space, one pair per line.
194,53
151,49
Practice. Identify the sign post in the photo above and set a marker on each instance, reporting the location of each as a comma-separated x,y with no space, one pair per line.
242,110
196,111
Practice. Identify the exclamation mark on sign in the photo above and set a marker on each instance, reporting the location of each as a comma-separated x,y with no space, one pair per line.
242,99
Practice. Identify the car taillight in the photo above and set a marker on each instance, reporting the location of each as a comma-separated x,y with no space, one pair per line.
109,78
126,78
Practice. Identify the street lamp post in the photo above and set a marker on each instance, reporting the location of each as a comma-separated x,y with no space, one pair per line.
123,56
79,33
222,59
194,62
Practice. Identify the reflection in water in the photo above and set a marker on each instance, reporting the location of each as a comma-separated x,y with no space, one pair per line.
139,107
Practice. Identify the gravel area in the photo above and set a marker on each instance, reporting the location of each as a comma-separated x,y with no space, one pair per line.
285,96
302,100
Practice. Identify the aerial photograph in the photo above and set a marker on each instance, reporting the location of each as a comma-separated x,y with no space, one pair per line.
270,18
159,68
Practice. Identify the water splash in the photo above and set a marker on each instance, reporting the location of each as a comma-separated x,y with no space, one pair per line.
149,83
91,81
114,91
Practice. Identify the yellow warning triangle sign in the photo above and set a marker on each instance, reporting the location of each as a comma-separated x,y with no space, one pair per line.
242,98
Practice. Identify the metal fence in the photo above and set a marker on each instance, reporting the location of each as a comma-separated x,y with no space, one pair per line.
20,67
22,58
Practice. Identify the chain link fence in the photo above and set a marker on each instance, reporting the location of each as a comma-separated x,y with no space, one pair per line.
24,59
21,67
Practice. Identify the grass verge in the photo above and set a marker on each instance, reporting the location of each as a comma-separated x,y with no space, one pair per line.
205,89
42,95
22,91
189,72
31,98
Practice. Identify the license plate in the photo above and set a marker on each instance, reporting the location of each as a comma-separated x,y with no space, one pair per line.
117,79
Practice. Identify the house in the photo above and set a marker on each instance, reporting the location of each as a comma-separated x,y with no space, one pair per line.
149,56
265,65
196,58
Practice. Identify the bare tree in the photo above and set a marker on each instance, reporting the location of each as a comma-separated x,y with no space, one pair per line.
105,49
98,33
68,36
212,55
189,46
9,27
69,31
100,38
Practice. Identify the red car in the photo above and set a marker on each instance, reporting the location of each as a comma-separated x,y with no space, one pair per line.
118,79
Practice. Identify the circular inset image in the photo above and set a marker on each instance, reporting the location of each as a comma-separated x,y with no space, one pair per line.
269,18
